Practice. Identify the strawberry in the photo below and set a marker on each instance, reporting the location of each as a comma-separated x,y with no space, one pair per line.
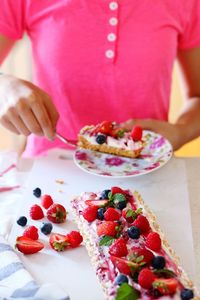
166,286
31,232
118,132
136,133
105,127
46,201
58,242
98,203
124,266
107,228
118,248
146,278
27,245
36,212
90,213
74,238
139,252
117,190
130,214
153,241
142,223
112,214
56,213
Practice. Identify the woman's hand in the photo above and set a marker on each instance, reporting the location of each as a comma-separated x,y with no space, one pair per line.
26,109
173,132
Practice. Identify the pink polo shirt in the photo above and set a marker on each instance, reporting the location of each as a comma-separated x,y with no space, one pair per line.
102,59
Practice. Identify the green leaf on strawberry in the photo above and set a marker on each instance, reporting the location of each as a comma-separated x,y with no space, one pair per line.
106,240
126,292
133,213
165,273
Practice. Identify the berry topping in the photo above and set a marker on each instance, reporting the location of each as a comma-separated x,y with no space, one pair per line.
36,212
133,232
46,228
121,205
22,221
46,201
58,242
121,278
117,190
74,238
136,133
118,248
124,266
37,192
98,203
100,213
56,213
187,294
105,127
158,262
112,214
27,245
142,223
139,252
31,232
166,286
104,194
107,228
153,241
90,213
101,139
146,278
130,215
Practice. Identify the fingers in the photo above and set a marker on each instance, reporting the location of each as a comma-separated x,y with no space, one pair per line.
51,110
17,122
8,125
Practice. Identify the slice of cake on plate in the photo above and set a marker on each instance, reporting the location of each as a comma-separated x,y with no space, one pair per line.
109,137
128,250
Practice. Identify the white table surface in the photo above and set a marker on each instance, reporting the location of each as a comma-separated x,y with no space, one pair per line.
186,181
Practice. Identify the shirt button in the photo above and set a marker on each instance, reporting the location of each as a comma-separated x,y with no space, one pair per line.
113,5
110,54
113,21
111,37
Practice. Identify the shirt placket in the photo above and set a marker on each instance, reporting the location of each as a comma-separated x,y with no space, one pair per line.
112,36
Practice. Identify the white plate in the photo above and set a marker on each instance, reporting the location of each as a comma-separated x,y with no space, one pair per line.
156,154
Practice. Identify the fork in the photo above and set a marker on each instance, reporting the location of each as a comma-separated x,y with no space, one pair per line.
66,141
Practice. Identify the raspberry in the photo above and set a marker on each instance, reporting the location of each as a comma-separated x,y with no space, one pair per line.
118,248
153,241
31,232
117,190
147,254
107,228
46,201
136,133
90,213
36,212
74,238
142,223
112,214
146,278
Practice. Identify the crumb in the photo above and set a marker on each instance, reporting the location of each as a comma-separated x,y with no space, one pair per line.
60,181
60,191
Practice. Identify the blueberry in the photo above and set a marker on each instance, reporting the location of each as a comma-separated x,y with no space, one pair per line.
46,228
121,278
133,232
101,139
187,294
104,194
121,205
22,221
158,262
100,213
37,192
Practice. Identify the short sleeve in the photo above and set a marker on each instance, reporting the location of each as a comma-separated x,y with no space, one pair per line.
190,37
12,19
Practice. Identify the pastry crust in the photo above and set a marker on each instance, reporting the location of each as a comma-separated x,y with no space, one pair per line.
93,252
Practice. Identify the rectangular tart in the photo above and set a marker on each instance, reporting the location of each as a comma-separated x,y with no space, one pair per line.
129,252
109,137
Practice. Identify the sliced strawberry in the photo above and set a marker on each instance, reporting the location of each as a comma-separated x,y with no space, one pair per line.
58,242
117,190
107,228
139,252
56,213
98,203
27,245
124,266
166,286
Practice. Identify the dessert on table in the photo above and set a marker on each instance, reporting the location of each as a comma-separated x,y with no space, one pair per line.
130,254
110,137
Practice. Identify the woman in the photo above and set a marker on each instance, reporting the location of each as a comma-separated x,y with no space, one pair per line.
100,60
